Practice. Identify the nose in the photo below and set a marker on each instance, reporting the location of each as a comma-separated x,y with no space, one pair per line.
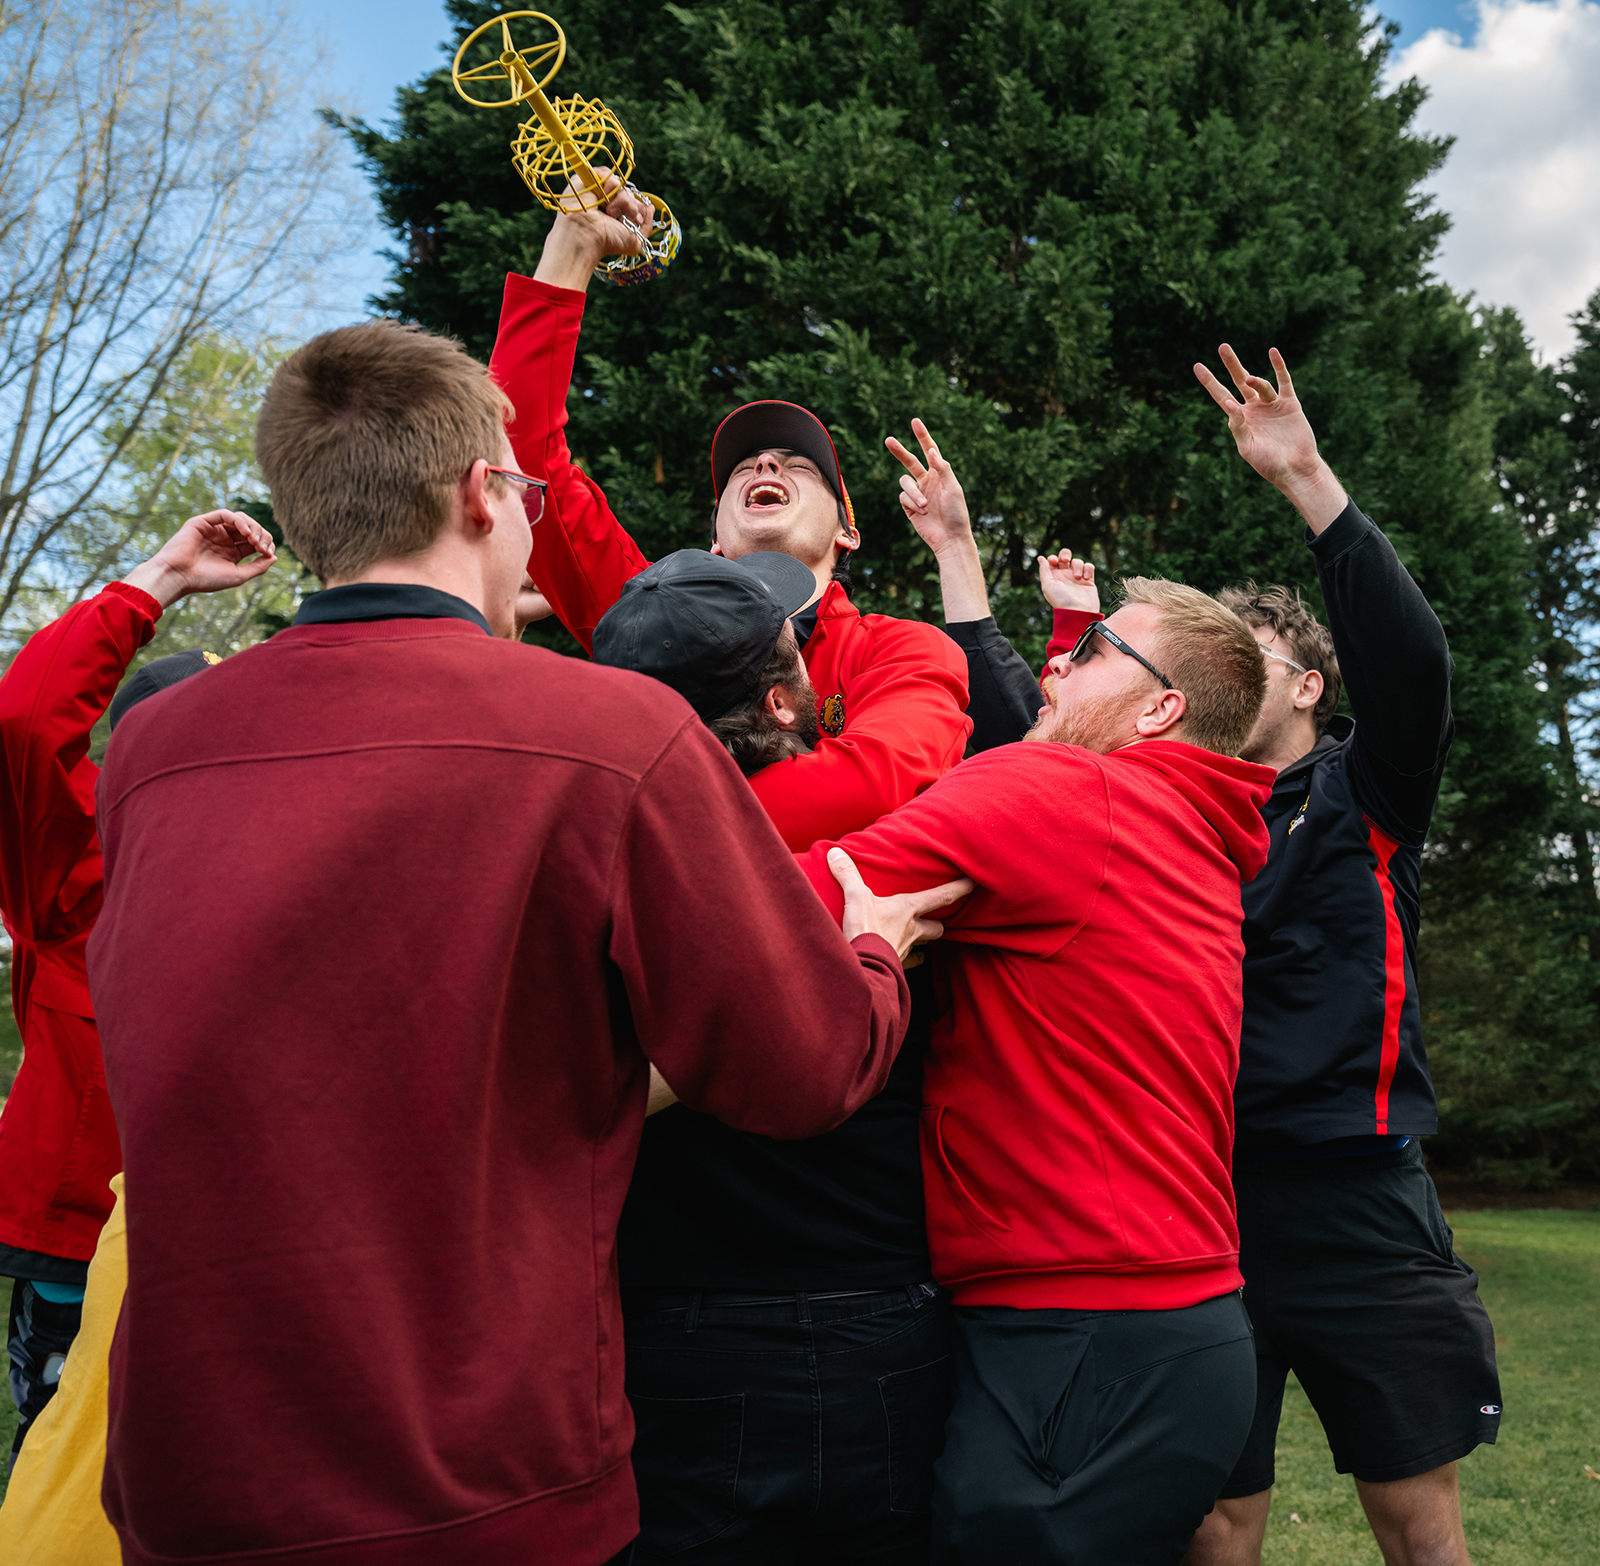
1059,665
767,463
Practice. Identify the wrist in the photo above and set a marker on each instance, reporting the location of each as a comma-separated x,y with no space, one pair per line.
569,257
162,581
1315,493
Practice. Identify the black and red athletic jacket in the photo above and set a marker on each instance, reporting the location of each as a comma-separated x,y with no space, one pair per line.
1332,1037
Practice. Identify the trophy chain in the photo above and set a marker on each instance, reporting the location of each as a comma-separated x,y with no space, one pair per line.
556,150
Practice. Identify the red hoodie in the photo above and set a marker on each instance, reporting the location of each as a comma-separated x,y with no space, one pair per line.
1077,1127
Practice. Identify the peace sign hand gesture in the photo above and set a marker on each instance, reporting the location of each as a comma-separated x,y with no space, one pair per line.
931,495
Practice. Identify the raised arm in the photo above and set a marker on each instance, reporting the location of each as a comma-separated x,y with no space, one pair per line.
1003,693
1392,650
56,690
581,554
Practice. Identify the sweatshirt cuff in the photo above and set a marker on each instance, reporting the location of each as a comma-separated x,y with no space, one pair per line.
1346,530
520,287
970,635
137,596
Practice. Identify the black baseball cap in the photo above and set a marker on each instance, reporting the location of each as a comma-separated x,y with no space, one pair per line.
770,425
704,624
155,676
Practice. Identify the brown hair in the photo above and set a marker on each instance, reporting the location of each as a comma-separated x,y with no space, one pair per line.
364,434
752,735
1284,613
1209,654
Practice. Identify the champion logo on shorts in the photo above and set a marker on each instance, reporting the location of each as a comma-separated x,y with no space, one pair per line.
1490,1408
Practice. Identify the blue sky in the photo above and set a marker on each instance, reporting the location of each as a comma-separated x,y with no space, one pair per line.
1512,80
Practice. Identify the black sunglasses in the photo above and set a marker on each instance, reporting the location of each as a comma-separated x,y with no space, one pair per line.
1098,628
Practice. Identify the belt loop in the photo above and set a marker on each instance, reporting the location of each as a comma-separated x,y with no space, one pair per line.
692,1320
914,1294
802,1304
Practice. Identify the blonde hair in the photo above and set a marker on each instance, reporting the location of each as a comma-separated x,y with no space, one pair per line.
364,434
1209,654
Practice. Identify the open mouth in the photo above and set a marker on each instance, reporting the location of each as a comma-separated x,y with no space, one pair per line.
766,492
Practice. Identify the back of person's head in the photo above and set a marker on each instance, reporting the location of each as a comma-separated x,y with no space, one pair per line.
158,675
1208,653
364,435
1282,611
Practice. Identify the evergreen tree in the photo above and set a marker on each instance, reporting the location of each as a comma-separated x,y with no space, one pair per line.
1024,221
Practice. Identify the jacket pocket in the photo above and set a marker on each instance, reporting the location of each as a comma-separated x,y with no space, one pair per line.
915,1403
964,1237
686,1464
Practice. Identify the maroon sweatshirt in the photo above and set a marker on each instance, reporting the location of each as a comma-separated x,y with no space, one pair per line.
395,913
1078,1097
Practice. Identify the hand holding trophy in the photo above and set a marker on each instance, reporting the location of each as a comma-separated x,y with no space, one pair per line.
556,150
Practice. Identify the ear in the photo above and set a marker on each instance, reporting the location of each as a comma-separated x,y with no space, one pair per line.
1310,691
780,705
1163,714
716,548
474,498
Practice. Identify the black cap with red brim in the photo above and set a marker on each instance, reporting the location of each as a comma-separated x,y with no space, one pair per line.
776,426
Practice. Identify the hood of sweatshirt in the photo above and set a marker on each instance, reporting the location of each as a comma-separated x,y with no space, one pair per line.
1227,792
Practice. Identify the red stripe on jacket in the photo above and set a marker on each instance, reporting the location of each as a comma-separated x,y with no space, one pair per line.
1394,972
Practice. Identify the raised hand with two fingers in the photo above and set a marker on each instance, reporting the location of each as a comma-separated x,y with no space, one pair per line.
930,493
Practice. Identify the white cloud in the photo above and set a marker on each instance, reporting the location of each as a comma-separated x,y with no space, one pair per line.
1522,183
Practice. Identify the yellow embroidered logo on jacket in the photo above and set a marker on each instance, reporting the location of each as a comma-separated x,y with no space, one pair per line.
832,715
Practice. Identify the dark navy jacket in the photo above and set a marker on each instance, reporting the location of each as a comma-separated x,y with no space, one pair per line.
1332,1037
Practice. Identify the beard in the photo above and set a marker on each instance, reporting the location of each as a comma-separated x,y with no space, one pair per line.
1094,723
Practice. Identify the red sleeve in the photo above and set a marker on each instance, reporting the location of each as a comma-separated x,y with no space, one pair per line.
581,554
743,992
53,694
906,725
1030,824
1068,625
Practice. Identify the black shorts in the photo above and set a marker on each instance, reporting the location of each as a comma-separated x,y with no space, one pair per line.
1352,1282
1089,1438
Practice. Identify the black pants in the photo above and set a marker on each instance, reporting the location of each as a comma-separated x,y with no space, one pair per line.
777,1431
1084,1438
39,1334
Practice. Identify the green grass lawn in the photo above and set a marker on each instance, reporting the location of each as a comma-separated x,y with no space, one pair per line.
1527,1501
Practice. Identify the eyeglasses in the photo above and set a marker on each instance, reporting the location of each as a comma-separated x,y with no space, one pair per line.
1098,628
1268,652
534,507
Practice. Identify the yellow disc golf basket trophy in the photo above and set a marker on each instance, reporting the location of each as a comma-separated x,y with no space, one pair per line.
555,151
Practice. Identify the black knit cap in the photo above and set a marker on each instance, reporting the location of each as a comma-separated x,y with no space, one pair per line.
157,676
704,624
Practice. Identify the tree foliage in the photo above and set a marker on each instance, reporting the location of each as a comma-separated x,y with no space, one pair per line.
1024,221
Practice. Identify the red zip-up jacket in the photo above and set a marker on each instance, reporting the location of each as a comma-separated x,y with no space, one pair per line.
395,914
58,1141
892,694
1078,1122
